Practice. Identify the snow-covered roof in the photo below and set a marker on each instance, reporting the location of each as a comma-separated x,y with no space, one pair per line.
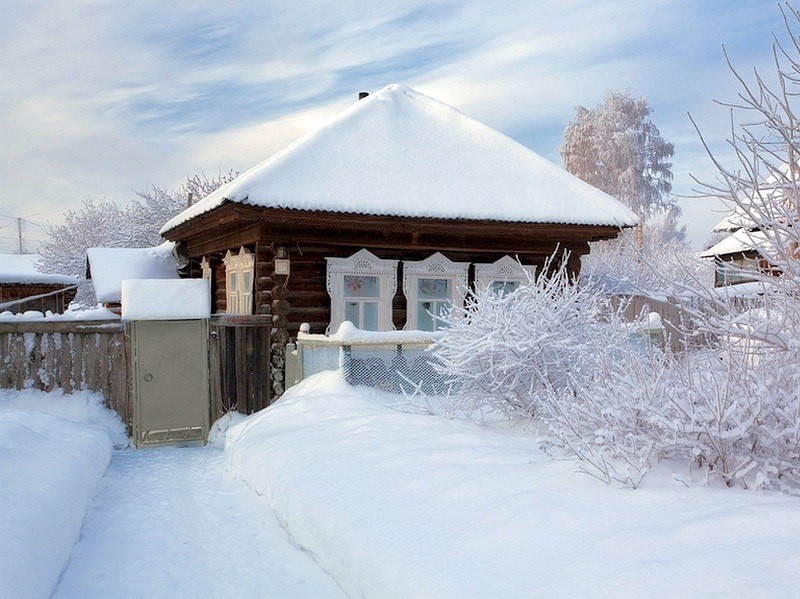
742,240
732,222
21,268
111,266
401,153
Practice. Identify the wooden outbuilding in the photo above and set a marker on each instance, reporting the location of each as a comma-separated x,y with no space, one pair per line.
24,287
382,217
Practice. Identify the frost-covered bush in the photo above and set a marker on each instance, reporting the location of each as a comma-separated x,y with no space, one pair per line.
737,418
507,351
564,354
610,420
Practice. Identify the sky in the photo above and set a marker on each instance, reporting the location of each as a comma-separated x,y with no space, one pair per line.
100,98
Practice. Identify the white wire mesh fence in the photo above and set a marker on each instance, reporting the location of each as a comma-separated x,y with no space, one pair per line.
390,366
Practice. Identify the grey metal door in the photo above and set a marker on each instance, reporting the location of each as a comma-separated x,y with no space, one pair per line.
170,381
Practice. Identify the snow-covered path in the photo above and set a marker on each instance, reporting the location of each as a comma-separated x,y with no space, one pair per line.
171,522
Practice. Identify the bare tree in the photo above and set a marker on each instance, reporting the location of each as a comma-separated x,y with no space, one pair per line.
103,223
762,186
157,205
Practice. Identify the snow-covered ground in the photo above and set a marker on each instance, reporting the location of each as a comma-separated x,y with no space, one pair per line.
407,505
389,502
53,451
171,523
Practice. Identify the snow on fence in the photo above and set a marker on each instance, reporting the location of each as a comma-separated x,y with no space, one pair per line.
71,355
395,361
669,311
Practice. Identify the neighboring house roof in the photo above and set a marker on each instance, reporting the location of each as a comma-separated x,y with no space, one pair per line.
22,269
734,221
110,266
745,240
400,153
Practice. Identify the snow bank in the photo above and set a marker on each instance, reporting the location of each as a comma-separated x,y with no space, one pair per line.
404,505
160,299
53,452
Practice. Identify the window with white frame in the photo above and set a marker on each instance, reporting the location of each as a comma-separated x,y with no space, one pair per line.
239,281
430,286
503,276
362,288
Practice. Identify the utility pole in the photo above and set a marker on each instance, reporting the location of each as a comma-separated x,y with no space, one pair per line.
19,232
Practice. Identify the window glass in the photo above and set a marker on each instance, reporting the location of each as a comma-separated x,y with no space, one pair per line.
434,288
248,281
352,312
503,288
233,304
370,316
232,285
424,319
361,286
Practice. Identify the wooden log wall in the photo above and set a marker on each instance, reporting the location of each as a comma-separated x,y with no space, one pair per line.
71,356
219,296
306,292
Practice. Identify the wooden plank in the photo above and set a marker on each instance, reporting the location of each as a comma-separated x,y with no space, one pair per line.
66,379
77,361
6,367
240,369
21,369
215,372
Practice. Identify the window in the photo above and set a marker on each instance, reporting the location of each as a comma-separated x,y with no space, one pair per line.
239,281
362,288
430,286
503,276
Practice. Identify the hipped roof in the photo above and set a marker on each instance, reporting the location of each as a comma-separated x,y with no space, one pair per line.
401,153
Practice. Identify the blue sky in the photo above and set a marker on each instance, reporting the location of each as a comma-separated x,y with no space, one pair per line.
100,98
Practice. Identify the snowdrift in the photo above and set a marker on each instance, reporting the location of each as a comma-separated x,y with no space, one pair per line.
406,505
53,451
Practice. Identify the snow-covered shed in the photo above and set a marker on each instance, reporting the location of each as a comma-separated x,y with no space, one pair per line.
109,267
382,216
24,287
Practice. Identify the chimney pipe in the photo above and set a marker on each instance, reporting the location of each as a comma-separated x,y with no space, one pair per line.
362,95
189,199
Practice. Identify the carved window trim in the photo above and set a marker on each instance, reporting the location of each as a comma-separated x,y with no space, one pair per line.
504,270
239,279
362,263
436,266
205,268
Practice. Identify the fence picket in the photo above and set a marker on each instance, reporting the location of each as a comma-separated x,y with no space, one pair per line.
73,356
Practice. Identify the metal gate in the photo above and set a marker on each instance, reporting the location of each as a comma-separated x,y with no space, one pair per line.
169,376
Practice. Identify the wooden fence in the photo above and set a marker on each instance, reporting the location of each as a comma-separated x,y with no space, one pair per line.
71,355
239,363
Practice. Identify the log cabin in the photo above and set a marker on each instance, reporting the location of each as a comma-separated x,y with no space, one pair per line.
383,216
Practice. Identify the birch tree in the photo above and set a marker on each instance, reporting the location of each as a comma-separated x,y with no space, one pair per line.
617,148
